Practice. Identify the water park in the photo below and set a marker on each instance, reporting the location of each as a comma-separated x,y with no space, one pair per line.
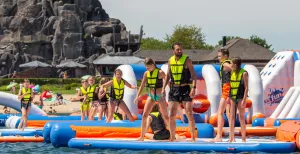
272,115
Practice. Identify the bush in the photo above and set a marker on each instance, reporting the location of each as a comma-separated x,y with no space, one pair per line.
68,87
74,85
43,81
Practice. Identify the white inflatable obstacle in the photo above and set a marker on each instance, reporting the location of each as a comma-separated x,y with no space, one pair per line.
13,102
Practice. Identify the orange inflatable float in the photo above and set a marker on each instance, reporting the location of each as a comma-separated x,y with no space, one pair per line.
254,131
21,139
117,132
200,103
289,132
213,120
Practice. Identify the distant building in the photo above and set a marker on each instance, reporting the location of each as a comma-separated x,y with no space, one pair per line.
249,52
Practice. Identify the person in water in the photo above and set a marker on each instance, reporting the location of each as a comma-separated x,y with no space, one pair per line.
84,101
104,98
154,79
92,96
158,126
117,85
238,97
182,74
26,96
223,56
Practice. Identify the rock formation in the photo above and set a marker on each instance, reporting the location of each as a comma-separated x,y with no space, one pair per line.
53,30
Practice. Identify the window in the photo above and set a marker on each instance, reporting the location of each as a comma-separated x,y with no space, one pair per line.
109,70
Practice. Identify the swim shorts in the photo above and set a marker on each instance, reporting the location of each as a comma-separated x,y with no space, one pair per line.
180,94
225,90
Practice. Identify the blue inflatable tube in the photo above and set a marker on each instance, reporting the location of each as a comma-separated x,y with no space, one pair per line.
22,133
61,132
277,122
4,117
139,70
200,145
258,122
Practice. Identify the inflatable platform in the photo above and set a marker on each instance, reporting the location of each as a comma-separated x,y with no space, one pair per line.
201,145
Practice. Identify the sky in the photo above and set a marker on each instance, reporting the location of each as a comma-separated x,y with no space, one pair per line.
278,21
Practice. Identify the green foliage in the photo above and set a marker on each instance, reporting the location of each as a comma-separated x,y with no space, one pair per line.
154,44
260,41
44,81
74,85
228,38
68,86
191,37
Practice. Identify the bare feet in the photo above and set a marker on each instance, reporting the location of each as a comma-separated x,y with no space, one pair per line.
180,138
140,139
172,140
216,139
193,139
231,140
243,140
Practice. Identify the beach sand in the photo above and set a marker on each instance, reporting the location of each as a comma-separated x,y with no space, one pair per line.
70,107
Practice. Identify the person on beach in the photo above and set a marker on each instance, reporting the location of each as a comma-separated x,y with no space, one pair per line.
84,101
223,56
117,85
238,96
158,126
104,98
92,96
154,79
182,74
26,96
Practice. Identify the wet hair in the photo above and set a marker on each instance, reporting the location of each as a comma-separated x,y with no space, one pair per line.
155,108
104,80
149,61
118,70
238,62
225,52
176,43
91,77
26,80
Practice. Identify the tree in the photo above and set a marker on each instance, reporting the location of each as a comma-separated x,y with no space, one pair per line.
191,37
154,44
259,41
228,38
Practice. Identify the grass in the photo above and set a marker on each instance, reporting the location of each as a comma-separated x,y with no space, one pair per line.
63,89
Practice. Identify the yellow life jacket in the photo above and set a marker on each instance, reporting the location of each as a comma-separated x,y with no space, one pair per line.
27,97
117,91
91,93
221,68
152,79
83,92
235,83
177,69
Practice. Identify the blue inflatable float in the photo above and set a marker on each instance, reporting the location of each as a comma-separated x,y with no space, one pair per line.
61,132
252,145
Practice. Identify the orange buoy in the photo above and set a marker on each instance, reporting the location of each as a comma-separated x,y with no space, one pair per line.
259,115
289,132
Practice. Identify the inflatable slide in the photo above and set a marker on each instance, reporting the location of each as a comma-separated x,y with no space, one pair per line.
281,85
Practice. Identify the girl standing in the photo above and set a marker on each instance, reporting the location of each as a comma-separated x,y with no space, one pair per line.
238,97
154,79
117,85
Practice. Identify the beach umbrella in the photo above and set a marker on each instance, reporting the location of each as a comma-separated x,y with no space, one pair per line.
70,64
85,77
11,85
34,64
